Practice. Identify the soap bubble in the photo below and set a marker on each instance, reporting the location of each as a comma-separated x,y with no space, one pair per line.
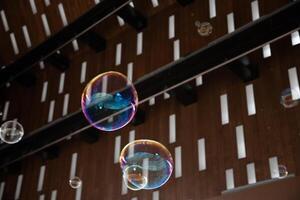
75,182
134,177
109,102
152,162
283,172
204,28
11,132
286,99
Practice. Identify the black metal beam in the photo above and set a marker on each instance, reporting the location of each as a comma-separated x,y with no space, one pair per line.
59,61
94,40
133,17
219,53
185,2
74,30
245,69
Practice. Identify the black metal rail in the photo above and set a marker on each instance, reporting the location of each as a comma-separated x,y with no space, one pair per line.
74,30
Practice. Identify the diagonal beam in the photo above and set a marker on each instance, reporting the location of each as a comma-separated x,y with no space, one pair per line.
84,23
133,17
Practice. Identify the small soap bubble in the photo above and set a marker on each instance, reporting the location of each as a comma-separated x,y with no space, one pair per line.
75,182
11,132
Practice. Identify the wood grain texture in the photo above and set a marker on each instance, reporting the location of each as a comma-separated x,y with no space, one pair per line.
273,131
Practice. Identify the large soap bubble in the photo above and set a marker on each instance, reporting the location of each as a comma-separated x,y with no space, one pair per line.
112,97
11,132
146,164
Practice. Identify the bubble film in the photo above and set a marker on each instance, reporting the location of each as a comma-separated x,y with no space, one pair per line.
109,102
134,177
11,132
152,160
286,99
75,182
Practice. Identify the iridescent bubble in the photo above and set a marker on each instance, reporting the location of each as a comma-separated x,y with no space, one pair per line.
152,160
11,132
134,177
75,182
283,172
109,101
286,99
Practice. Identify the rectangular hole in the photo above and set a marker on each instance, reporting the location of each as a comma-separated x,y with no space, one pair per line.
46,25
166,95
47,2
42,65
172,128
73,165
19,186
78,193
26,36
251,175
154,3
2,187
120,21
240,141
75,45
178,164
139,48
171,26
14,43
134,198
117,149
53,194
44,91
273,165
61,83
199,81
124,189
267,51
229,179
295,38
97,1
41,178
255,10
51,111
224,109
62,14
42,197
201,154
104,84
66,104
4,21
145,167
212,9
5,110
83,72
130,72
33,6
155,195
118,54
176,47
131,136
294,83
250,100
152,101
230,23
